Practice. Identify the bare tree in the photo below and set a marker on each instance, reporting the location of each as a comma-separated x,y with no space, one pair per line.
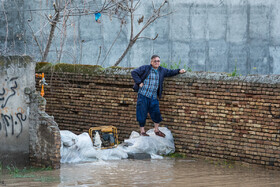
62,11
121,9
124,10
131,8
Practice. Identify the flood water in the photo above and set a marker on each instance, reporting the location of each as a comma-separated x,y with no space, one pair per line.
164,172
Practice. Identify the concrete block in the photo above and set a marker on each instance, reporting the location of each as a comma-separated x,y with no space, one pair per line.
115,53
145,10
259,22
237,56
217,22
198,22
275,55
259,57
180,52
110,34
90,52
162,49
12,27
198,55
86,32
140,54
275,24
261,2
160,27
180,23
211,2
237,24
217,56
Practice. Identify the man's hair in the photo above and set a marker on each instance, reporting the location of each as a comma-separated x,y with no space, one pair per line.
154,56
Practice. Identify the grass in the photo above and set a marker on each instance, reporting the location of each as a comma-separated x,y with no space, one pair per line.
234,73
76,68
222,163
25,172
175,65
31,173
176,155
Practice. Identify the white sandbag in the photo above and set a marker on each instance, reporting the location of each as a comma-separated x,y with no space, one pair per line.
152,144
68,138
111,154
82,150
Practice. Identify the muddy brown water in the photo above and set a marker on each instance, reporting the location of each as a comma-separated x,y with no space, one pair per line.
165,172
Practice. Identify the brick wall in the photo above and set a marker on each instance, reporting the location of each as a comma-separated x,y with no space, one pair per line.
45,146
210,115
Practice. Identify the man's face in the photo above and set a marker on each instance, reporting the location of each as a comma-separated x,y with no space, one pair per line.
155,62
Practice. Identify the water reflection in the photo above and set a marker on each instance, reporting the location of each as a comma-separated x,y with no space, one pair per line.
118,173
165,172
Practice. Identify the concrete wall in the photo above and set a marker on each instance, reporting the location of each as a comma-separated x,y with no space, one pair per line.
17,77
206,35
28,135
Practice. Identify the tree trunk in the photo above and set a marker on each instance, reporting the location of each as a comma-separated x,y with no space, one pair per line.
131,43
53,26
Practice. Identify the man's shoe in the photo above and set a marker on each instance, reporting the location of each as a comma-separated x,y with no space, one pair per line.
143,134
159,133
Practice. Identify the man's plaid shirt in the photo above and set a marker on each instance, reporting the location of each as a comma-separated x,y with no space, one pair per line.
150,85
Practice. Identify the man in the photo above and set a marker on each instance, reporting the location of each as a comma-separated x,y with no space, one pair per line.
149,85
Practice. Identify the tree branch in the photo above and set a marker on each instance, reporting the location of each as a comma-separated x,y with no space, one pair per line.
112,45
53,25
36,40
131,20
98,55
64,33
140,37
133,39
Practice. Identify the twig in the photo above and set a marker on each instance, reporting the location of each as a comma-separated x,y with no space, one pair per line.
112,45
150,20
137,4
63,34
36,40
148,37
98,55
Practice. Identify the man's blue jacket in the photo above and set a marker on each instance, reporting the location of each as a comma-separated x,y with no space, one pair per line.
141,73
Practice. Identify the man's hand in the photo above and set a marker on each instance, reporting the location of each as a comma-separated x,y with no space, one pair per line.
182,71
141,85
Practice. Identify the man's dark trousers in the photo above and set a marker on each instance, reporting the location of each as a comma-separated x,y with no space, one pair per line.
147,105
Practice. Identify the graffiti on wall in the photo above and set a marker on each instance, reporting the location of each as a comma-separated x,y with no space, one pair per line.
11,121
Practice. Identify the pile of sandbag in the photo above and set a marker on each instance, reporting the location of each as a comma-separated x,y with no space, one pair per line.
78,148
